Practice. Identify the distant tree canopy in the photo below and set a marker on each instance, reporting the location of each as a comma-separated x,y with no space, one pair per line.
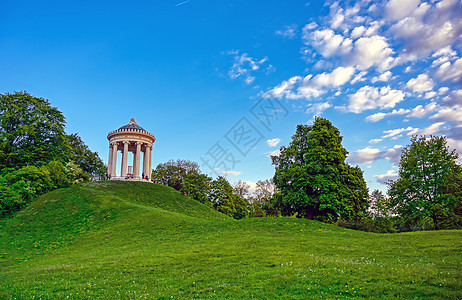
313,179
428,192
87,160
36,156
185,176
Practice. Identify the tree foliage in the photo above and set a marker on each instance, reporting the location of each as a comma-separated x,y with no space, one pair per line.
86,159
429,188
313,179
36,156
31,131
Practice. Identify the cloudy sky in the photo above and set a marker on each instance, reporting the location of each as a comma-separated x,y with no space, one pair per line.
225,83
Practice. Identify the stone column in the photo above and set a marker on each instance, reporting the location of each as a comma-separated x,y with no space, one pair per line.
147,159
114,160
124,159
136,169
109,162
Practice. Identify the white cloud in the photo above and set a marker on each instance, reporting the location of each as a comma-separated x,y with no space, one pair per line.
400,9
394,154
318,108
420,111
383,77
430,26
273,142
327,42
379,116
359,77
284,89
336,78
288,31
310,86
422,83
370,51
375,141
389,175
376,117
273,153
369,97
449,114
364,156
395,133
432,129
231,173
357,32
450,72
369,155
244,65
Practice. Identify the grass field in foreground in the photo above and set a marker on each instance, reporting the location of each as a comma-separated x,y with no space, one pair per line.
120,240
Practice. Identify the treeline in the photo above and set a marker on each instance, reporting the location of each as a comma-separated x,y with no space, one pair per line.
314,181
235,201
36,155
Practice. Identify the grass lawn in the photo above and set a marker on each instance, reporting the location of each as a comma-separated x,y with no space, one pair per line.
120,240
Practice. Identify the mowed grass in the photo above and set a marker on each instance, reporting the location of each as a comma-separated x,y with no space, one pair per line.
121,240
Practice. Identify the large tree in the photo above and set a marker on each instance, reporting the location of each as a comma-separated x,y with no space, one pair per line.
429,184
86,159
313,179
31,131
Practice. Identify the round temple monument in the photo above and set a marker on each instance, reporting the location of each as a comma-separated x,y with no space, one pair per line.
130,138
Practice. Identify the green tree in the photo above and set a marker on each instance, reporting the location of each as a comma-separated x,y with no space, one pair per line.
429,186
224,200
379,206
175,172
313,179
262,199
31,131
197,186
86,159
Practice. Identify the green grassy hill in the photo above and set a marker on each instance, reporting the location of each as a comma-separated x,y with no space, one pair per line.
119,240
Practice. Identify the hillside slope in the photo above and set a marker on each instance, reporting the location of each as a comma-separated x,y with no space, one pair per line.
136,240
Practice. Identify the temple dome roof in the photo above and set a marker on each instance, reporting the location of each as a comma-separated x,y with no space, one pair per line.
132,125
132,128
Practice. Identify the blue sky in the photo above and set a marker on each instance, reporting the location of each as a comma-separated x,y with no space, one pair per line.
224,83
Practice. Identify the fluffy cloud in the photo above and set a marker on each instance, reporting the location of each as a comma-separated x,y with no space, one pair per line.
451,72
231,173
393,154
370,51
336,78
318,108
379,116
244,65
365,156
288,31
309,87
397,133
449,114
400,9
427,27
327,42
369,97
369,155
389,175
422,83
273,153
273,142
421,111
383,77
